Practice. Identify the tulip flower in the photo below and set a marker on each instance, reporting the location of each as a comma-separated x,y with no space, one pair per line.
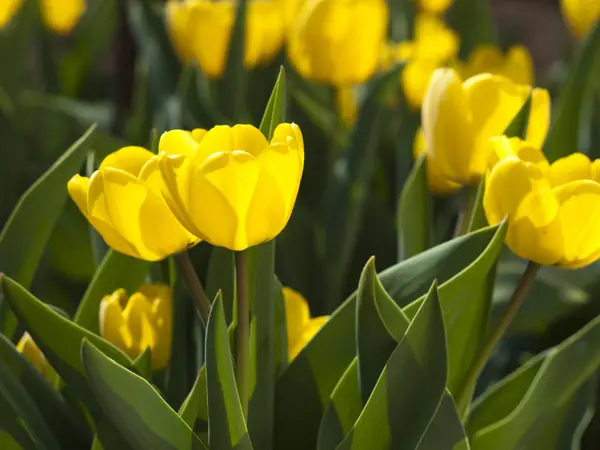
201,31
338,42
123,202
459,118
300,326
435,6
552,210
233,189
144,320
581,15
437,183
60,16
516,64
32,352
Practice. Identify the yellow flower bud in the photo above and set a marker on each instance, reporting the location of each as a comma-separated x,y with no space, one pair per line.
300,326
8,9
581,15
552,210
144,320
61,16
201,30
459,118
516,64
338,41
435,180
123,202
32,352
435,6
233,189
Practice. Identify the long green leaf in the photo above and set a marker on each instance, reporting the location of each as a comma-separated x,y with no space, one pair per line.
227,427
221,277
446,431
134,406
275,111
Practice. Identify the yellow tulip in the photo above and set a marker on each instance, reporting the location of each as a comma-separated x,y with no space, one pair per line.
459,118
435,6
435,180
123,202
516,65
581,15
338,41
233,189
60,16
144,320
552,210
32,352
300,326
201,30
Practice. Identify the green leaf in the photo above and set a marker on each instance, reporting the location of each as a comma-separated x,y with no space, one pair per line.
233,86
227,427
413,218
68,428
446,431
143,364
24,236
410,388
191,405
16,395
275,111
13,435
460,265
518,126
221,277
134,406
115,272
563,137
472,20
262,344
345,196
505,415
374,338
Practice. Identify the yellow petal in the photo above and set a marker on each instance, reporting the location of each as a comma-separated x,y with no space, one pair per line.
579,214
180,27
297,315
137,316
290,134
198,134
141,216
130,159
485,58
61,16
434,39
518,65
436,181
264,31
581,15
571,168
178,142
223,138
539,117
415,80
308,333
435,6
112,325
8,9
447,127
29,349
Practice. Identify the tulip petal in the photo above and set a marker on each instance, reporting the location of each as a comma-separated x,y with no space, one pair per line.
8,9
437,183
290,134
308,333
518,65
112,325
177,142
137,317
539,117
581,15
297,315
570,168
61,16
178,15
130,159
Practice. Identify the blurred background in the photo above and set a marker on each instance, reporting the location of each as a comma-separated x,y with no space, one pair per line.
116,67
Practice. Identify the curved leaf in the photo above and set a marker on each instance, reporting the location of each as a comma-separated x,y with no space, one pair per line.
446,431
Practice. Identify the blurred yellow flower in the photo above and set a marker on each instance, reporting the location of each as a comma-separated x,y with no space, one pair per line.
435,6
300,326
581,15
338,41
123,202
60,16
233,189
32,352
144,320
459,118
516,65
347,107
201,30
437,183
552,210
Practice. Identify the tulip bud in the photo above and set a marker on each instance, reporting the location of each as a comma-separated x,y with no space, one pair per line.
581,15
8,9
552,210
337,41
142,321
123,202
459,118
233,189
29,349
61,16
300,326
516,64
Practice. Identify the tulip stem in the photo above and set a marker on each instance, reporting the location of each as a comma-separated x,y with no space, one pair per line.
464,217
243,329
190,276
464,394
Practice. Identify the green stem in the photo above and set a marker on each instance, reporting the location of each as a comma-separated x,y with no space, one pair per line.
243,329
463,396
201,300
464,217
